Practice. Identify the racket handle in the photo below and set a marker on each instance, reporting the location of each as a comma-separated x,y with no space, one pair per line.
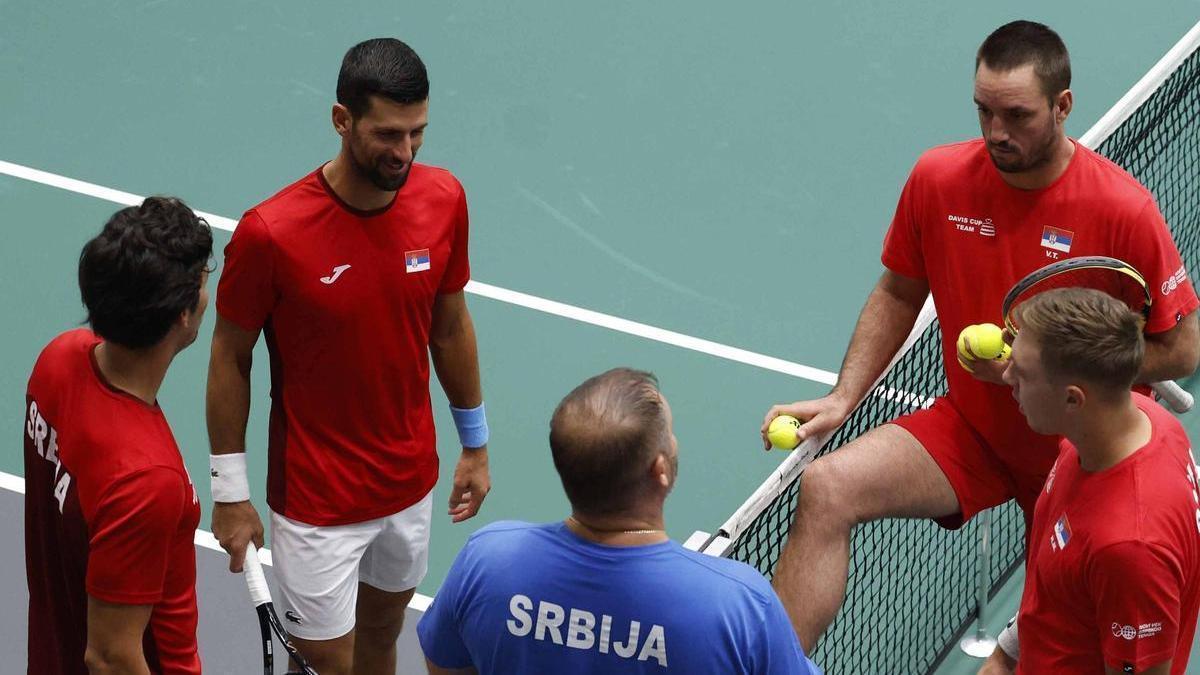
256,581
1176,397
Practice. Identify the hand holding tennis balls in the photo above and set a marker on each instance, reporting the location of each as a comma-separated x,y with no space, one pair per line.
981,342
811,418
782,432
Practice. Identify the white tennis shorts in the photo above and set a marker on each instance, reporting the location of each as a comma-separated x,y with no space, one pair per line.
317,568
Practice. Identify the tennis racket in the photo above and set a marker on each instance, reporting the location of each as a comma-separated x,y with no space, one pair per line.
1117,278
268,621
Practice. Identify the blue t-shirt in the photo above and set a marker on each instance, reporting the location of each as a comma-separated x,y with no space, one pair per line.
523,598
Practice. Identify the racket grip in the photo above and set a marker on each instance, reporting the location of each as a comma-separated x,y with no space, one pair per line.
1176,397
256,581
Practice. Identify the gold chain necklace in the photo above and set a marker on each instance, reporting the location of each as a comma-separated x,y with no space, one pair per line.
575,520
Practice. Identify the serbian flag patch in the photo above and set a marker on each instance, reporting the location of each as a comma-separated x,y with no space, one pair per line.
1062,532
416,261
1057,239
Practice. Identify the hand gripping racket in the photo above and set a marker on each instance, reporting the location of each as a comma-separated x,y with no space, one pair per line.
268,621
1110,275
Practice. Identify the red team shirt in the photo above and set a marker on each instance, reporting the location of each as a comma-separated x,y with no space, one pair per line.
345,300
110,512
959,226
1114,560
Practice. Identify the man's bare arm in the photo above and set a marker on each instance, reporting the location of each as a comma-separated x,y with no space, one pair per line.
234,524
1172,354
114,638
885,321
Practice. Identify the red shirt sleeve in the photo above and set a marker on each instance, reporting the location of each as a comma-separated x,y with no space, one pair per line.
1137,588
246,293
902,252
458,269
1152,252
131,531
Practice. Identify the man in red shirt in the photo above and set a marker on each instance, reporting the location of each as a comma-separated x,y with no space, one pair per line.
110,512
974,217
1112,580
355,275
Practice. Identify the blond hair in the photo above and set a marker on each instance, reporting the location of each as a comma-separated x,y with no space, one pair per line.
1086,334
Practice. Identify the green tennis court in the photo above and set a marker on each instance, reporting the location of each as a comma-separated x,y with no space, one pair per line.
696,189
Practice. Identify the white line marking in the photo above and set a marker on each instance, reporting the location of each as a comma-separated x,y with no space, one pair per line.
12,483
651,332
485,290
205,539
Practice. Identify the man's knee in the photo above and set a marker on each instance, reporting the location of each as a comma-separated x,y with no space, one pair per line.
827,495
379,617
379,634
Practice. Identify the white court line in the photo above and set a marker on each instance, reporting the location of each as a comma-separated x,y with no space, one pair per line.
485,290
204,538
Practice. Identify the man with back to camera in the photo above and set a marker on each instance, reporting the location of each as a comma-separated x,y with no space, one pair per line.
1113,574
605,590
355,275
973,219
110,511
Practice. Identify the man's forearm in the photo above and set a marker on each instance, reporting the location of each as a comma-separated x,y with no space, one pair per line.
228,405
1172,354
886,320
1159,364
456,362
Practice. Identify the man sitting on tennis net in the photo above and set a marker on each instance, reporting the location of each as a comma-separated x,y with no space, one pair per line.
973,218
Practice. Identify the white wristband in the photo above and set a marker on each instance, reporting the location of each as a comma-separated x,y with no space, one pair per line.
1008,640
228,473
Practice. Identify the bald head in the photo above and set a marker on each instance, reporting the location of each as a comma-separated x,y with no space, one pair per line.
605,437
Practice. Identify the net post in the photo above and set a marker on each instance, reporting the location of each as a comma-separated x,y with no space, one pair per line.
981,645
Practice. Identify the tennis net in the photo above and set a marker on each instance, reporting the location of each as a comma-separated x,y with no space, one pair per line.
912,585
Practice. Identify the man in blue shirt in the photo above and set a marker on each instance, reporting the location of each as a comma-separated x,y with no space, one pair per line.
605,590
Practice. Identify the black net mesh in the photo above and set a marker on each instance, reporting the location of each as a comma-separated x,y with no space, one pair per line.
912,585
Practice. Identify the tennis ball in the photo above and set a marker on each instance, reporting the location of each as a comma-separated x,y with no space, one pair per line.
1005,354
987,341
782,432
963,353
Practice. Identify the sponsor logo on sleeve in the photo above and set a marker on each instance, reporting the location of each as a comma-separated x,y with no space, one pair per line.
1175,280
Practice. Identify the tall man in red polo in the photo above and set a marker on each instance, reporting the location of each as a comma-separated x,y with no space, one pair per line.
355,275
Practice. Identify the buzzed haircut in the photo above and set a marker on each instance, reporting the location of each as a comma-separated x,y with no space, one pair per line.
1021,43
144,270
605,435
1085,334
385,67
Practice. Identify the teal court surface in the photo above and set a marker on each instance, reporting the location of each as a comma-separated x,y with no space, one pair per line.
695,189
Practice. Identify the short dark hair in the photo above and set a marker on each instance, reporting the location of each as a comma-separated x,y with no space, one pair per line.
604,436
1021,43
143,270
384,67
1085,334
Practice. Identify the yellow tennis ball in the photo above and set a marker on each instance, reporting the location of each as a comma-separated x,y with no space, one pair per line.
782,432
963,354
987,341
1005,354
